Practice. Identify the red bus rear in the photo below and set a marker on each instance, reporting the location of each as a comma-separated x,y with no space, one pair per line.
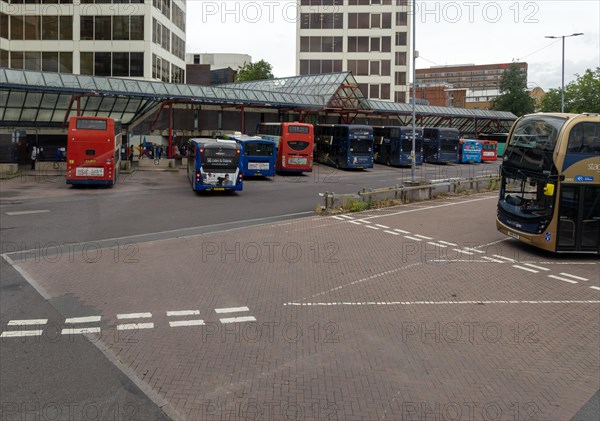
489,151
93,150
295,144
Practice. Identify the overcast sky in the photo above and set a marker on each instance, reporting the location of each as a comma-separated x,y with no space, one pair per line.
448,33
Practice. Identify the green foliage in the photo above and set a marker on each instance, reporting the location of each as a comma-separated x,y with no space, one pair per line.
550,102
513,93
255,71
581,95
356,206
584,93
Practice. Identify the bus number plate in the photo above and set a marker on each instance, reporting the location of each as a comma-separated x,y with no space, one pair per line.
297,161
513,235
89,172
258,165
219,188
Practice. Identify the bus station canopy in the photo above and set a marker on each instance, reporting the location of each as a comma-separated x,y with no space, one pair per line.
29,98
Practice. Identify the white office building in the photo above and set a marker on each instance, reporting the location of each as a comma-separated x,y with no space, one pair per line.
370,38
122,38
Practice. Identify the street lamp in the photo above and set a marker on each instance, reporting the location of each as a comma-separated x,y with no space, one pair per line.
562,91
413,164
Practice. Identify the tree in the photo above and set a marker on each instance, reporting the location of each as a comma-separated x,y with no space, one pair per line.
584,93
581,95
255,71
513,93
550,102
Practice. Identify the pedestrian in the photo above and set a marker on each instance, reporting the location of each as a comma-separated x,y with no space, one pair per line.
34,156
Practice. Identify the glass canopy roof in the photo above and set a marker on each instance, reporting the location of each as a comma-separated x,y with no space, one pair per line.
42,98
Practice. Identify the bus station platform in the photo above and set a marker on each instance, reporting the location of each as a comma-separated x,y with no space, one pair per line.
421,311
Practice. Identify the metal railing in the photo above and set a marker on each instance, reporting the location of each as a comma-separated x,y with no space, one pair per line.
407,192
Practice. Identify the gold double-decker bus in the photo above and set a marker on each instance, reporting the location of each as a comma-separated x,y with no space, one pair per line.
550,191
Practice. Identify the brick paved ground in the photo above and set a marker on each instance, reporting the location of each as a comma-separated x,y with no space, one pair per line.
351,322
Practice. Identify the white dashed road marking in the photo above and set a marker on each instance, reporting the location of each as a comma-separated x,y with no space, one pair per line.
447,243
183,313
437,244
391,232
231,310
402,231
29,322
504,258
338,218
20,333
463,251
596,288
579,278
88,319
412,238
492,260
79,330
179,323
134,316
535,266
238,319
382,226
527,269
31,212
562,279
135,326
372,227
423,237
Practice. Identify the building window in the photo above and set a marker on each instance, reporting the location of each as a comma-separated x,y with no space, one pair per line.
401,18
50,28
400,38
386,44
375,44
399,97
400,78
16,27
400,58
375,20
33,60
322,20
4,58
136,67
374,68
66,27
86,65
136,28
49,61
310,67
32,27
16,60
120,64
4,26
102,64
385,91
87,27
374,91
102,28
386,67
65,62
120,28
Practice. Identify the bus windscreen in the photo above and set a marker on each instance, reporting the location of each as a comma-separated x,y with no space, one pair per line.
298,129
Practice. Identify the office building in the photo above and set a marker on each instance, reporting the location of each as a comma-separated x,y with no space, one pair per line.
370,38
122,38
481,82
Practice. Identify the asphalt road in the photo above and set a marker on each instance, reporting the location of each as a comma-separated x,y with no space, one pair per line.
147,202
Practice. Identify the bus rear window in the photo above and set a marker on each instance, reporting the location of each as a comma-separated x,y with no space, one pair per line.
298,129
90,124
298,145
90,152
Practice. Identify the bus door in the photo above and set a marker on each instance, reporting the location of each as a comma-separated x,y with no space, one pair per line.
579,218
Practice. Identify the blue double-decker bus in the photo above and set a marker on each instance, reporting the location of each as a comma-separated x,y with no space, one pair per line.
440,145
393,145
344,145
259,155
469,151
215,165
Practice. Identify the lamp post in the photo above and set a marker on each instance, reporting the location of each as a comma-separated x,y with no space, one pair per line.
413,165
562,90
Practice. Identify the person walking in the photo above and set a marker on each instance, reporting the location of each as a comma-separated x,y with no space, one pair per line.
34,156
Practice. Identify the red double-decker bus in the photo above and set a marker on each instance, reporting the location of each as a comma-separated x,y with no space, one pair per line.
295,144
489,150
93,150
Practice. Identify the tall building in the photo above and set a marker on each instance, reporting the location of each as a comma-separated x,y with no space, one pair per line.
481,82
370,38
123,38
